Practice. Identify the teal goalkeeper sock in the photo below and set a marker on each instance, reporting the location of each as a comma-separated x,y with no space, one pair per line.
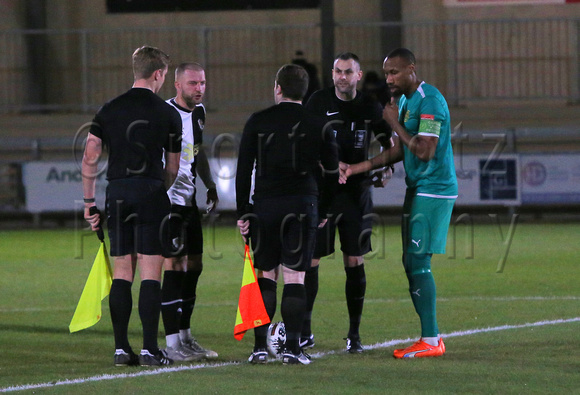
423,293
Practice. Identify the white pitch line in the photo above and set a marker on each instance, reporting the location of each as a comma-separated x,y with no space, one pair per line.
387,344
477,331
482,298
37,309
117,376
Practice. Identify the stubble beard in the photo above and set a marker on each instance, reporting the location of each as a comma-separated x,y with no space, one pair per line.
190,101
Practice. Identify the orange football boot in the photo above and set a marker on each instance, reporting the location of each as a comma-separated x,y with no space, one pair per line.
420,349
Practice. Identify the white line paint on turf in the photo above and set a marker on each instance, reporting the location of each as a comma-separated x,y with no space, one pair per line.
477,331
36,309
315,355
118,376
481,298
512,298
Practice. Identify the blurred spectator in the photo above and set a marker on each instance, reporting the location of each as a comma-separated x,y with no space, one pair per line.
314,81
376,87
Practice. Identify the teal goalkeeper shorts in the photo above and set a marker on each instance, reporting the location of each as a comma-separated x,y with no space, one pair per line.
425,223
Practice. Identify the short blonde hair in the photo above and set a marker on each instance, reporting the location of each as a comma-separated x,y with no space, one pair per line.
193,66
148,59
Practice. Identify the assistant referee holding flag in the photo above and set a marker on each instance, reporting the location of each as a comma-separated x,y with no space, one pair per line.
288,145
136,128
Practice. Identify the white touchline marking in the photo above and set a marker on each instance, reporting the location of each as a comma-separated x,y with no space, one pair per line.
36,309
118,376
512,298
387,344
480,298
477,331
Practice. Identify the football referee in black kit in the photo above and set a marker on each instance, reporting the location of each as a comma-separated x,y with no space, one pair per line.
355,118
138,128
289,148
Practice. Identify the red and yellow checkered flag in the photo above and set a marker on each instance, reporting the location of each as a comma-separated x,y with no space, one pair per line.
251,309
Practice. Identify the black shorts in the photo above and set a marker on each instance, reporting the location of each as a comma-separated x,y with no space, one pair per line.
185,234
351,213
283,231
137,213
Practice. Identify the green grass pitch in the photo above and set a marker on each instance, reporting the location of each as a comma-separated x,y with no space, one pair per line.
508,304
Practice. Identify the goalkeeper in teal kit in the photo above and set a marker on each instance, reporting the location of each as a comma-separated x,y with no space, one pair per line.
422,123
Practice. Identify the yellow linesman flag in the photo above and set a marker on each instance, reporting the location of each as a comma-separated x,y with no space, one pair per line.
251,309
97,287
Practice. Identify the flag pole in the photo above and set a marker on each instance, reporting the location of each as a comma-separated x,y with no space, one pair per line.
97,287
251,310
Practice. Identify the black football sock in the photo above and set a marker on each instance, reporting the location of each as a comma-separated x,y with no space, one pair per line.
188,295
268,290
355,288
311,288
171,300
149,309
292,308
120,305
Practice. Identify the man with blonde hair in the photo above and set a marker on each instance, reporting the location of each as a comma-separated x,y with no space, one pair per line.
138,129
183,269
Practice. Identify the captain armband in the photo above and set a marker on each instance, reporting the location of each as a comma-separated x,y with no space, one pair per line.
429,126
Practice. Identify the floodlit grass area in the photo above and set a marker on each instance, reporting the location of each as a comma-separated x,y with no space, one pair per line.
508,306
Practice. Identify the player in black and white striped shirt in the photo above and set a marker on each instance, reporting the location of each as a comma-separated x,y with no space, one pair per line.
182,271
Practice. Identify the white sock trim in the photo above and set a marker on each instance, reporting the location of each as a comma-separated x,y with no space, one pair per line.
173,340
432,341
185,334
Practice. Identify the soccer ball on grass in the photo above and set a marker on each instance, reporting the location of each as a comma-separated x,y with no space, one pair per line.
276,338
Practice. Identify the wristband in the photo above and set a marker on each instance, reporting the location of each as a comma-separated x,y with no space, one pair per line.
91,200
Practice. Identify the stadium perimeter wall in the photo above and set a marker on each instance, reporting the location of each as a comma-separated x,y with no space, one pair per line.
78,14
69,20
86,14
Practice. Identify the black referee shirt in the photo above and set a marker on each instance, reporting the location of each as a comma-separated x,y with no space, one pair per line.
286,144
135,129
353,122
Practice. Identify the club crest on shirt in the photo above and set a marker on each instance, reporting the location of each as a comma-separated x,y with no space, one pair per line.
407,115
359,138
